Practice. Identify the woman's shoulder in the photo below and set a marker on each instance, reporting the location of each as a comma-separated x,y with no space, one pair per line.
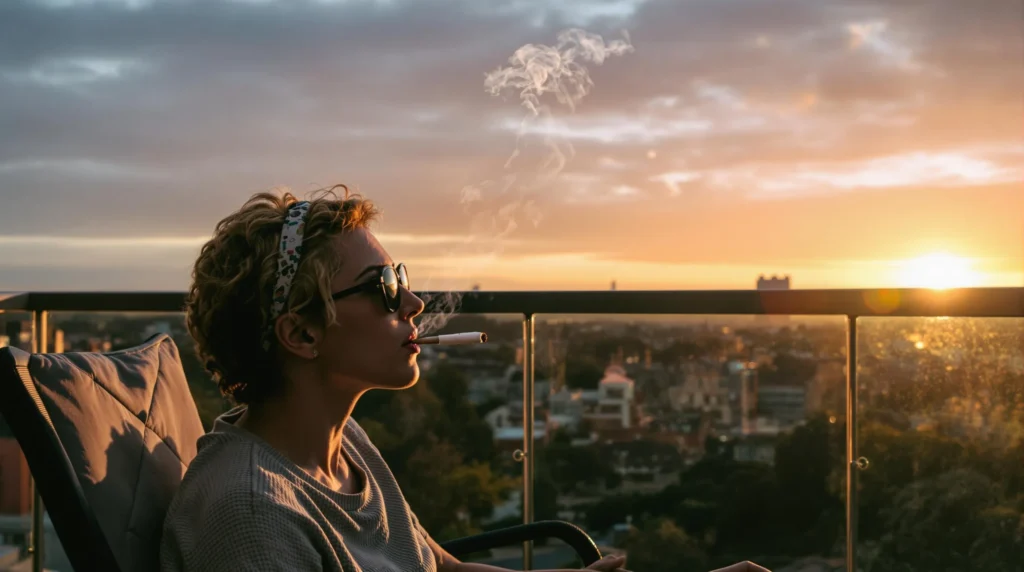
236,507
362,443
234,474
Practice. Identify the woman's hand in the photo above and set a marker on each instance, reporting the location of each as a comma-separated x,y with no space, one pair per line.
609,564
743,567
616,563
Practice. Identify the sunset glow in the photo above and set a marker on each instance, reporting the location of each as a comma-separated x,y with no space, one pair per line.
842,143
939,271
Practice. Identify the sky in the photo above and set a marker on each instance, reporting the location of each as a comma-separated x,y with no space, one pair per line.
846,143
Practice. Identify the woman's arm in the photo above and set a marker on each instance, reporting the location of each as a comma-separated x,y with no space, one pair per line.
448,563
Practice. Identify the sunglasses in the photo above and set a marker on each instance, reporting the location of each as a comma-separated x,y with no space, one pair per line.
390,282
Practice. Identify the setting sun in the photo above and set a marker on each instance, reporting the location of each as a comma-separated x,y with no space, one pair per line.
938,271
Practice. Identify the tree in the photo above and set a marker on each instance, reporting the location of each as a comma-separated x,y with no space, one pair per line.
609,511
678,352
805,462
956,521
898,460
661,546
459,422
787,369
752,513
545,497
449,496
740,508
571,466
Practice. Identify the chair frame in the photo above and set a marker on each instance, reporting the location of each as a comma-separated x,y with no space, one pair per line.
75,522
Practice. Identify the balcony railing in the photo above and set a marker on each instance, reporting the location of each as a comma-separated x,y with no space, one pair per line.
848,304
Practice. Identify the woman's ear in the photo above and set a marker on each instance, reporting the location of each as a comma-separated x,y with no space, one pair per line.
296,336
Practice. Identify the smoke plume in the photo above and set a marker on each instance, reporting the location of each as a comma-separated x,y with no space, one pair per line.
535,74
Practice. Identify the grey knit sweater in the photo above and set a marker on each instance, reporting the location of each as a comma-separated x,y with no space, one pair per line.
244,506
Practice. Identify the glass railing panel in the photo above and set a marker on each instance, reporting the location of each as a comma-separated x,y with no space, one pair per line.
696,440
941,428
449,439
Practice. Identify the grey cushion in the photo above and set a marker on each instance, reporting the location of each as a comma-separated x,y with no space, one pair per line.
129,426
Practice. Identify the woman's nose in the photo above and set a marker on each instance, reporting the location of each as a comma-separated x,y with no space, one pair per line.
412,305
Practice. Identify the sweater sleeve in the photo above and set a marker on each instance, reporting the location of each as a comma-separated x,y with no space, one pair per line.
240,532
419,527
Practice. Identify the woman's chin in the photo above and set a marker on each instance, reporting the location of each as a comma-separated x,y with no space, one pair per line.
405,379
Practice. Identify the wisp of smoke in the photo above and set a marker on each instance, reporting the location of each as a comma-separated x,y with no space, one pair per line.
535,73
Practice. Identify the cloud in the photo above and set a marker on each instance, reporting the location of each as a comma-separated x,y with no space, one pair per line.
875,36
74,72
674,180
954,168
78,168
134,118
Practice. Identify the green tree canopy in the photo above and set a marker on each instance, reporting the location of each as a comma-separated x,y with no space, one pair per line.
661,546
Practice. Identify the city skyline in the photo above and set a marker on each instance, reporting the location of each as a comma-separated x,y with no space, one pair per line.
848,143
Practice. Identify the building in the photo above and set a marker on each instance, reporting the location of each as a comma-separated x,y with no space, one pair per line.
702,390
565,409
644,459
15,491
19,334
773,283
686,430
741,381
58,342
507,424
786,404
490,383
615,401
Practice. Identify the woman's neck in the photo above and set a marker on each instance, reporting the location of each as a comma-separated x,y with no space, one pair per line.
308,430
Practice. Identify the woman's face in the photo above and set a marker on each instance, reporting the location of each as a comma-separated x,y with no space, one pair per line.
367,344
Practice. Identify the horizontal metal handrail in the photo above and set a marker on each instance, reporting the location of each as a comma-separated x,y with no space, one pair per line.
967,302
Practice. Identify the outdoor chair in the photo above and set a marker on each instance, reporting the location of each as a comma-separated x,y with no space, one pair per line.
108,437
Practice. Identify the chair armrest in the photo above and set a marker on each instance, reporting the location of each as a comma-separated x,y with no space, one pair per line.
568,533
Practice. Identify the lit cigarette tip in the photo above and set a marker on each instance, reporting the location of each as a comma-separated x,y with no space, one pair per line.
463,339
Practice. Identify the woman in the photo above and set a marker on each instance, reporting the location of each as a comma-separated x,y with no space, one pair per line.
297,311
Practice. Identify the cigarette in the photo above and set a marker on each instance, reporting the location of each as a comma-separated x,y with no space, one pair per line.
463,339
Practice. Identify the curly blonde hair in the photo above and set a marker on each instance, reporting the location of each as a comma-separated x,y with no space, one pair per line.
227,309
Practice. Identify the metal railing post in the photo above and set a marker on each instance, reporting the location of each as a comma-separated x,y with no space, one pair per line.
528,442
37,546
851,443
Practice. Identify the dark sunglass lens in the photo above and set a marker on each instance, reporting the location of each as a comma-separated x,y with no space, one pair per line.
403,276
390,279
